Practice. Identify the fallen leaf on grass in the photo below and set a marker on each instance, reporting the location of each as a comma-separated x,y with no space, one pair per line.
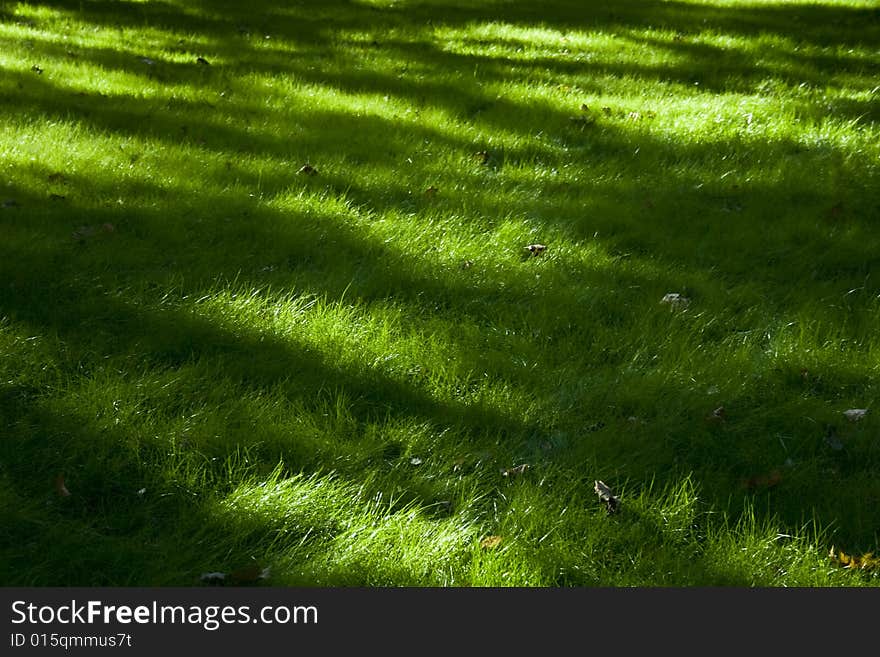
415,460
249,575
856,414
60,486
83,232
718,415
215,578
611,501
763,481
482,157
676,300
582,121
536,249
86,232
515,471
865,562
490,542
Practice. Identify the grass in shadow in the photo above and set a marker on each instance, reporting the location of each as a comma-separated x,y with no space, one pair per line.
232,361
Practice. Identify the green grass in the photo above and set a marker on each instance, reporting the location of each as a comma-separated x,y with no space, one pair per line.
232,363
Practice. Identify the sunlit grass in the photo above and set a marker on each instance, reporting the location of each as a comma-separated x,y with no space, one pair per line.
234,363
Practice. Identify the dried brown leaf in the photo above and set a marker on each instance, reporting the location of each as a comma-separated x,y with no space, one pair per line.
250,574
866,561
768,480
490,542
61,487
482,157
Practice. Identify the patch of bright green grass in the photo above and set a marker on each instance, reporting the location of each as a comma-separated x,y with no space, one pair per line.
335,371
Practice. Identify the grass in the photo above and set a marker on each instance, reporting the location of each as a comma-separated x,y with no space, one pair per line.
231,364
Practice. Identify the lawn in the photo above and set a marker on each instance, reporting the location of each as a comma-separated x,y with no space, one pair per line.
268,313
